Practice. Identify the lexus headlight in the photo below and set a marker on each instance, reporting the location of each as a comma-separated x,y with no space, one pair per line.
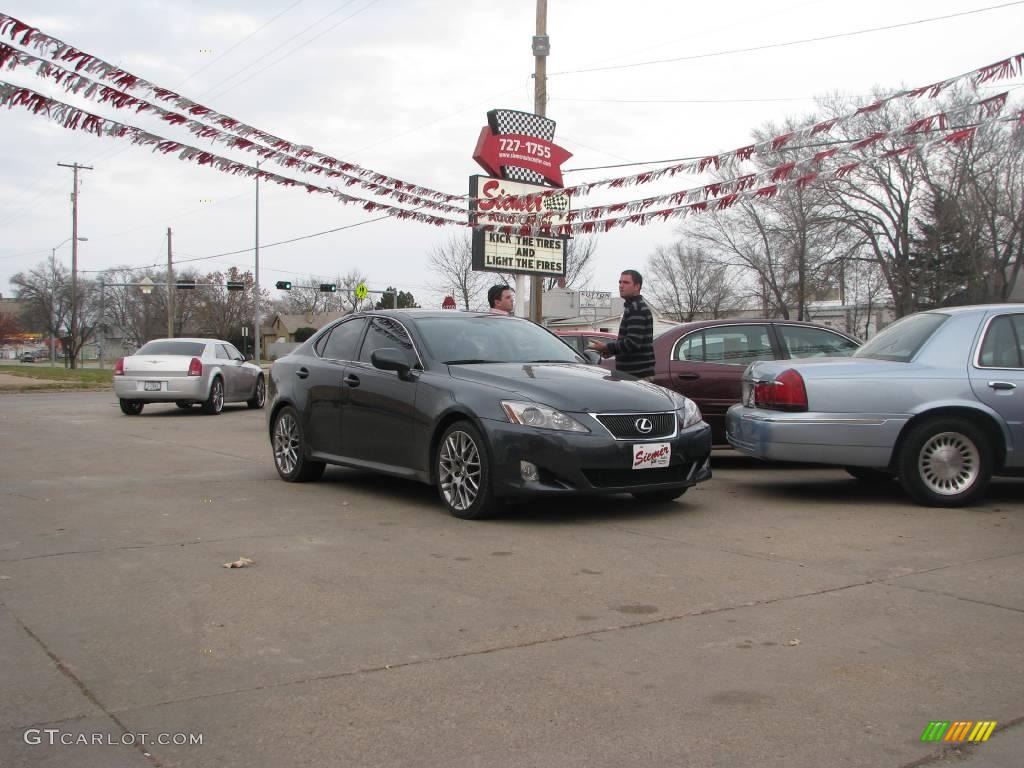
540,416
686,410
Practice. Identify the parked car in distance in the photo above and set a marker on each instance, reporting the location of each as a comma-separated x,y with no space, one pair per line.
27,357
487,408
704,360
187,372
580,340
936,400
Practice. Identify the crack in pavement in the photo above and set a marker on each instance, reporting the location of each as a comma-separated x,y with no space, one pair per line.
498,648
80,685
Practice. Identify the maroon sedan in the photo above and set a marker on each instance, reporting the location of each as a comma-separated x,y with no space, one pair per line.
705,360
580,340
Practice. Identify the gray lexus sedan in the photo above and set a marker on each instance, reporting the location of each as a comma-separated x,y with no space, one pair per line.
488,408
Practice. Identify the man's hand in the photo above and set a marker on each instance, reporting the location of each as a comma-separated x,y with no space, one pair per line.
600,346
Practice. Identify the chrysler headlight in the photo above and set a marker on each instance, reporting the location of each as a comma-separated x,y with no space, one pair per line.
686,410
540,416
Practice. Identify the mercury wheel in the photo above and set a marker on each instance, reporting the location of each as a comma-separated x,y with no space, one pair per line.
946,462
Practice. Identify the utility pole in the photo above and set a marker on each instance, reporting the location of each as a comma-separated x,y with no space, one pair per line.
170,289
541,46
256,281
74,258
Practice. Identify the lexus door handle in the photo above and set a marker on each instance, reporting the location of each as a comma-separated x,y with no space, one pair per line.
352,380
1002,385
302,373
688,376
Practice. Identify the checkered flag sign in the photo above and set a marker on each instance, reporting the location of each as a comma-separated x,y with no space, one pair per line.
525,123
556,203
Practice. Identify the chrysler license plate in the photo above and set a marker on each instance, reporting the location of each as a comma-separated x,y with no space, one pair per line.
152,386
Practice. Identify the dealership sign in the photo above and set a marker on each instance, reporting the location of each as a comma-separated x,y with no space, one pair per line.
515,149
494,203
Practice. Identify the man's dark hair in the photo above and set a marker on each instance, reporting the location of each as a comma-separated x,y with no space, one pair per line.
494,293
637,278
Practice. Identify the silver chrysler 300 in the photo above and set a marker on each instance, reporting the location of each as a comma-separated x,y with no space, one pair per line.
187,372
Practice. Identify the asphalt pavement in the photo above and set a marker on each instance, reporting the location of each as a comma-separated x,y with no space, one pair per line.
774,616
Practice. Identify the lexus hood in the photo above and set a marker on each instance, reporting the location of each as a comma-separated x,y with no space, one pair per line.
568,386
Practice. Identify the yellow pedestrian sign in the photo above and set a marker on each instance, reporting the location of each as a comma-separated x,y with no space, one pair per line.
361,292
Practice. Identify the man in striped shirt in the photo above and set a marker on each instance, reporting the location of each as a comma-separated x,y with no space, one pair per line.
634,349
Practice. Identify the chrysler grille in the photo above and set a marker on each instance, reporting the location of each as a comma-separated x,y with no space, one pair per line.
623,426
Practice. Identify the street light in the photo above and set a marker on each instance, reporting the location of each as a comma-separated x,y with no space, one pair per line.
74,286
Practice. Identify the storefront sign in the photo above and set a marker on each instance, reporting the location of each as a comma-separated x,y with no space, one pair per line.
595,300
496,202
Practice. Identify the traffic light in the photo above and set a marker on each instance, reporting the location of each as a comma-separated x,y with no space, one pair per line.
236,285
184,285
328,287
284,285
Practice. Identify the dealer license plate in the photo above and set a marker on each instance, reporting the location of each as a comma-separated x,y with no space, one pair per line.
651,455
152,386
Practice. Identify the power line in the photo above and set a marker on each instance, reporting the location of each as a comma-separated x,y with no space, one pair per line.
262,245
802,41
296,49
236,45
732,101
263,57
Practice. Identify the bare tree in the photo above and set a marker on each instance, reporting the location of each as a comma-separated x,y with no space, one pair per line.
878,198
452,263
45,290
346,296
685,282
224,313
307,297
579,251
140,316
975,213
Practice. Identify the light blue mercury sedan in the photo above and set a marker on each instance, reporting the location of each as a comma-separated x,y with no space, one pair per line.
936,400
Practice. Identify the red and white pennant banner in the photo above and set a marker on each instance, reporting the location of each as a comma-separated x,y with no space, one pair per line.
11,58
73,118
1006,68
77,119
56,50
952,137
792,169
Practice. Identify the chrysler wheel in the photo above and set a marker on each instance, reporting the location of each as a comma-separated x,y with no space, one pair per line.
463,474
131,407
214,404
946,462
290,449
259,397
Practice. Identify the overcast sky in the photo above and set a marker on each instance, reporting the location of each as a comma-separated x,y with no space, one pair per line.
403,87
